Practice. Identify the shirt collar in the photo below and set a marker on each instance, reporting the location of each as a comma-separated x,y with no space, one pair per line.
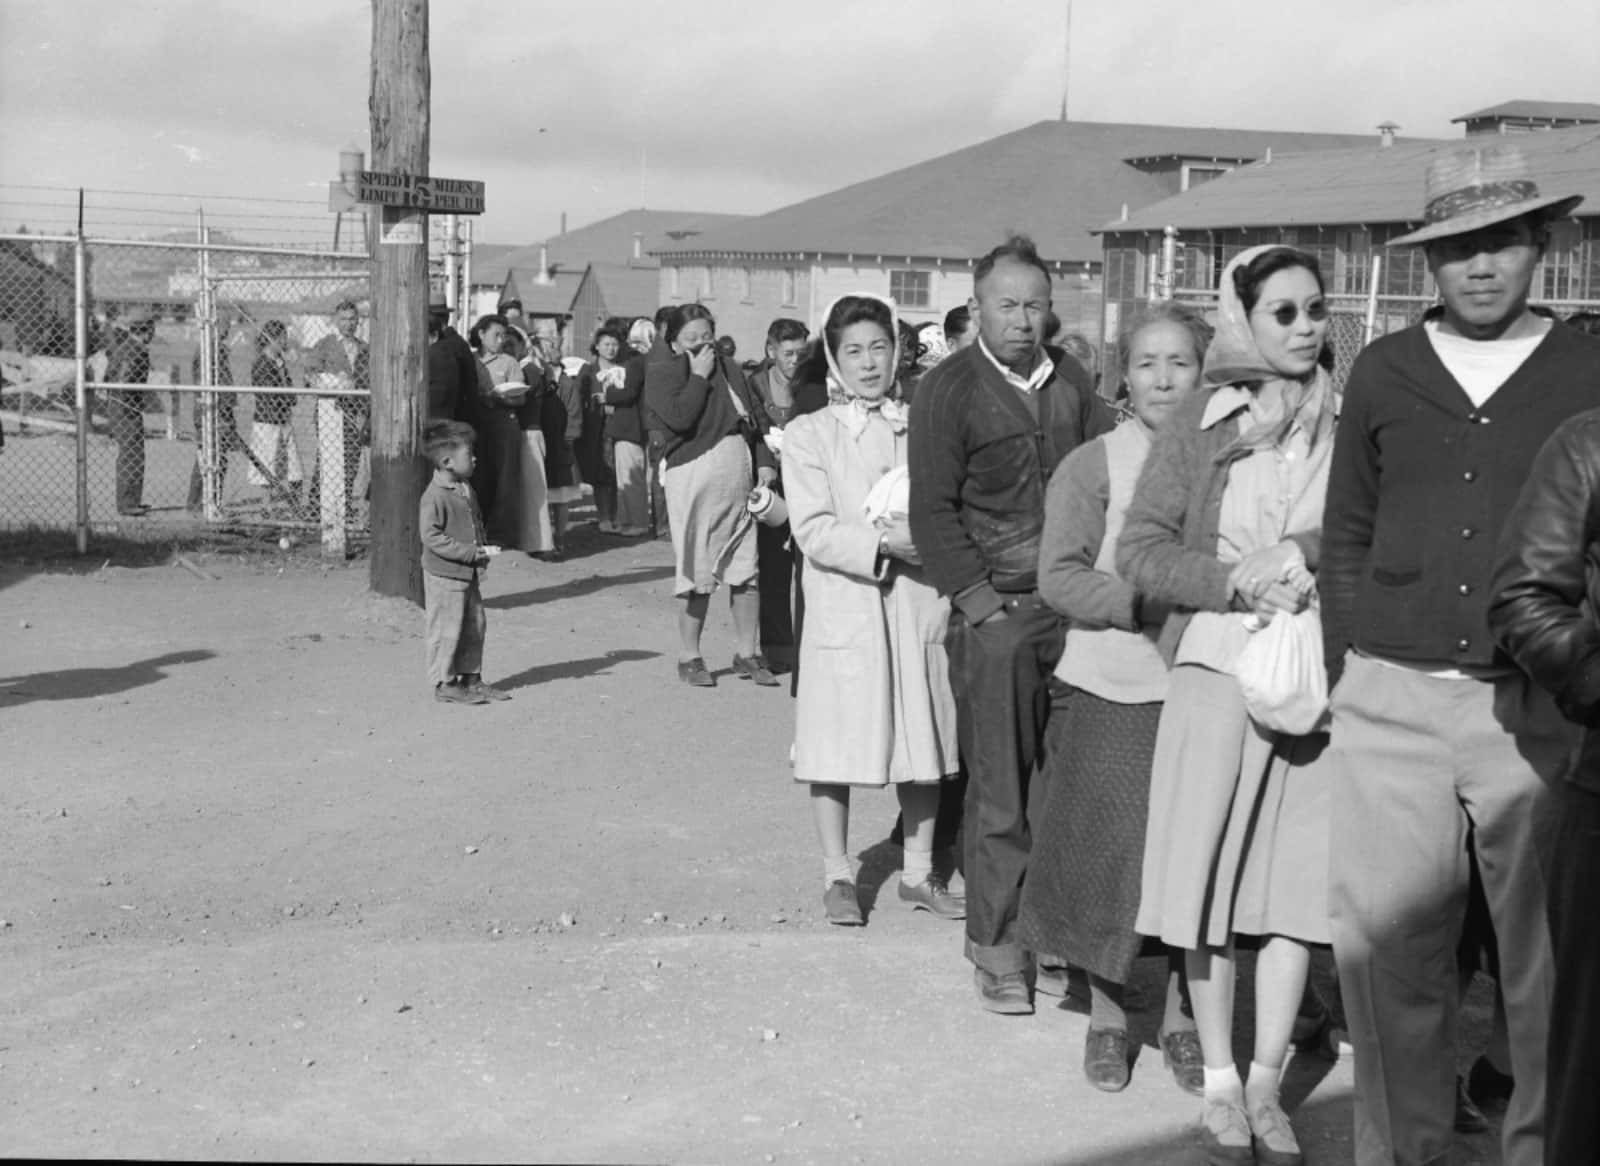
1224,403
1030,383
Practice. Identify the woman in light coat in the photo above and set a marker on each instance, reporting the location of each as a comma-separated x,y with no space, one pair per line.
874,705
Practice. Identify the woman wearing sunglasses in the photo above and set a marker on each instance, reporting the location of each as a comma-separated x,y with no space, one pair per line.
1225,525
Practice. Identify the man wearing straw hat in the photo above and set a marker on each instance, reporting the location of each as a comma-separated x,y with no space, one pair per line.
1441,748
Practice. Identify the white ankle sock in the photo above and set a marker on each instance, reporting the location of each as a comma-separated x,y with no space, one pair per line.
1224,1085
914,871
1262,1085
836,868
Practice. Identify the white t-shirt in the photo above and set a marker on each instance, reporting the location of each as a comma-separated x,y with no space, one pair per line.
1482,366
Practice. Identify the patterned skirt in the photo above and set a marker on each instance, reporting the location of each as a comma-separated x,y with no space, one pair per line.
1081,896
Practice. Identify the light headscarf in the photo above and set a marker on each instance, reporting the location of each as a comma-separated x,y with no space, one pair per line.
1234,358
893,411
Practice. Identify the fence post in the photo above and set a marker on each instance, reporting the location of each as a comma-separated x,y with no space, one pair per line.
1372,300
210,493
80,351
330,475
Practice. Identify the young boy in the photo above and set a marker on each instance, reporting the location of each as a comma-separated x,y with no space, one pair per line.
453,552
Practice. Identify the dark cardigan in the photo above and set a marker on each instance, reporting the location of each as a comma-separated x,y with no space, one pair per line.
1168,548
1421,484
698,413
979,459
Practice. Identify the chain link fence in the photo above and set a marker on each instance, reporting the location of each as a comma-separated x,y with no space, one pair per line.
182,384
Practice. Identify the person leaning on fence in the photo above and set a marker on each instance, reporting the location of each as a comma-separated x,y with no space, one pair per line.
454,553
274,451
1442,748
227,426
341,359
128,362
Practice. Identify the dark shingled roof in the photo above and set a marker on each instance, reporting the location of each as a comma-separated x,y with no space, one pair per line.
1366,186
1054,180
607,241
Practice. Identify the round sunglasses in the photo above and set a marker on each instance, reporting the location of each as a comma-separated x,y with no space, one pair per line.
1286,314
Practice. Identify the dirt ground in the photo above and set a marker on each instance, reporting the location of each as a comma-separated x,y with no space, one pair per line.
262,898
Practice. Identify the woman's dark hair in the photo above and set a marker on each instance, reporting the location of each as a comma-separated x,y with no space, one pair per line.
270,331
607,330
683,314
475,337
1247,280
910,346
847,311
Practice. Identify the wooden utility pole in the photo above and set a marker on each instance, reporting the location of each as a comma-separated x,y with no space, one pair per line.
399,113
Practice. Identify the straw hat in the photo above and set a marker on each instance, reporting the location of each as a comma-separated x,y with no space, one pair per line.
1466,190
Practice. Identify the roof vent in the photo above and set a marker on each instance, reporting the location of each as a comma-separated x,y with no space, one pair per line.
1386,132
544,265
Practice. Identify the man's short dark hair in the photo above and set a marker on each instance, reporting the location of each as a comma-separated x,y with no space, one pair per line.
1018,249
784,329
346,306
441,438
956,322
663,314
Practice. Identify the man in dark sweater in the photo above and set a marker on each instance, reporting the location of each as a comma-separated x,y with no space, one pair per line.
1441,748
990,425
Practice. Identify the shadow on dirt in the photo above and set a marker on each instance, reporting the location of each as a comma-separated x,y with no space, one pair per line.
576,587
572,669
84,683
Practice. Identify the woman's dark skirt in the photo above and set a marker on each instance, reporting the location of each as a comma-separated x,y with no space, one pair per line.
1081,896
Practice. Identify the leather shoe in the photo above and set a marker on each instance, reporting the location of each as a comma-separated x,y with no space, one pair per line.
1053,980
1225,1134
1006,994
754,668
1180,1053
931,895
696,673
477,687
840,904
456,694
1105,1059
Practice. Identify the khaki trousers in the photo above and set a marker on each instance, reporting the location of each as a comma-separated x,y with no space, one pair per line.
1419,763
455,626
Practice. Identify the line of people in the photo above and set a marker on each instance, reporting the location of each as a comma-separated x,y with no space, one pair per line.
1000,580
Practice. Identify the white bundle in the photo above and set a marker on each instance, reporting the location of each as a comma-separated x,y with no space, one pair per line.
890,496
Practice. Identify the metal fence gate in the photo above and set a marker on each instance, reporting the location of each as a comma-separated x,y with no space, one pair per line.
162,385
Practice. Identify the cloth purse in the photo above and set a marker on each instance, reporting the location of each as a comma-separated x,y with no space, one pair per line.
1281,674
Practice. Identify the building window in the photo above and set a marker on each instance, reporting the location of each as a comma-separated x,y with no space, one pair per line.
1352,261
741,284
1562,275
675,282
786,282
911,289
709,284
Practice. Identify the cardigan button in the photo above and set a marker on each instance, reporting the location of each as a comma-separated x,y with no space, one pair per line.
1465,589
1467,532
1463,644
1470,476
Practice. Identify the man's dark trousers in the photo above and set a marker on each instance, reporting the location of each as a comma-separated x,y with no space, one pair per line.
1572,1115
1000,671
125,419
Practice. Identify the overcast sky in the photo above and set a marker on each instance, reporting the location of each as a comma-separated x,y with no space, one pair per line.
595,106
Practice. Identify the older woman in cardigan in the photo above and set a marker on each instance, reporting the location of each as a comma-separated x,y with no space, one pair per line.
1227,516
1082,893
874,703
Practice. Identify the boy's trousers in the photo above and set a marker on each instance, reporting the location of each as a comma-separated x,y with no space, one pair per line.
455,626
